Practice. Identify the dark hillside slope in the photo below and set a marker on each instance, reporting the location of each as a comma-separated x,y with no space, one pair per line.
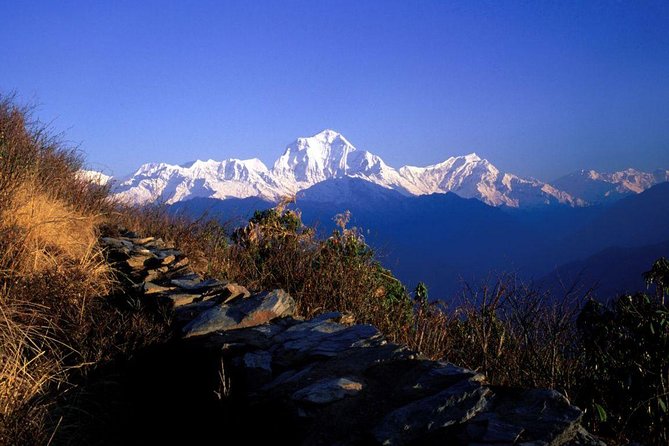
610,272
635,221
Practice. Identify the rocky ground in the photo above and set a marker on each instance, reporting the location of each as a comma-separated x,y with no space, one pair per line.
242,365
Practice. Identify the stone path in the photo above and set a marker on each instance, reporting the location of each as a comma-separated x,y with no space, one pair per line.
334,382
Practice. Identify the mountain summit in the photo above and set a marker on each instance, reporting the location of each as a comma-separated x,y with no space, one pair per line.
600,187
329,155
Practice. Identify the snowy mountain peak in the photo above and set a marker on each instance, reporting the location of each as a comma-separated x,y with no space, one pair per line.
94,176
329,136
599,187
313,159
472,158
329,155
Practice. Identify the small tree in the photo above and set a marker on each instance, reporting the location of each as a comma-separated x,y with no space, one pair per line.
659,276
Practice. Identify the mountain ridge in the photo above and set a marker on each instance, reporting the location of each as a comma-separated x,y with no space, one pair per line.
329,155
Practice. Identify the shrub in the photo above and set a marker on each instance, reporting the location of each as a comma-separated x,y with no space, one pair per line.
626,367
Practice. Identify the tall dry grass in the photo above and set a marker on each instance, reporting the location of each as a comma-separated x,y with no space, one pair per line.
54,318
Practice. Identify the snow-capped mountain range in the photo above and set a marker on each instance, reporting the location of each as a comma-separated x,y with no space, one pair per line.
329,155
597,187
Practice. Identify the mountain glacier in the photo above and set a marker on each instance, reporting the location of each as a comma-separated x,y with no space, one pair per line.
329,155
599,187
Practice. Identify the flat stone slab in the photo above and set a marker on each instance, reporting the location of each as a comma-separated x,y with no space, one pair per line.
323,339
152,288
531,415
255,310
233,291
116,243
329,390
196,284
455,405
181,299
258,360
142,241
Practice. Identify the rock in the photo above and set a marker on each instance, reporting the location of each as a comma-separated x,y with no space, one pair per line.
439,375
156,244
196,284
142,241
451,406
139,251
536,415
136,262
289,376
187,312
258,368
164,253
158,261
180,264
258,360
322,339
232,291
584,438
180,299
329,390
249,312
177,273
116,243
256,338
155,274
152,288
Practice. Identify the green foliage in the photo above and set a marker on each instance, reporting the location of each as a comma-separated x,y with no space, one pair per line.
420,294
626,364
659,276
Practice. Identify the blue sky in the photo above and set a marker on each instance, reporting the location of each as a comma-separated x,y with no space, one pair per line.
539,88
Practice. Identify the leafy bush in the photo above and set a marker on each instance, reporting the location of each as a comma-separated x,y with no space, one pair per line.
626,367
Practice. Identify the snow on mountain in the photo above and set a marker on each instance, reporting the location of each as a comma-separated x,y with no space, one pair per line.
470,176
598,187
329,155
94,176
215,179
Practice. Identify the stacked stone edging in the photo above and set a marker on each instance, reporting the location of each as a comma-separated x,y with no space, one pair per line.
337,381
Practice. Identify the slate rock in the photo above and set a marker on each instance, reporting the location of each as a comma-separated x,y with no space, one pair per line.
321,339
152,288
258,360
196,284
158,261
155,274
329,390
249,312
538,415
136,262
181,299
233,291
257,338
116,243
451,406
187,312
142,241
439,375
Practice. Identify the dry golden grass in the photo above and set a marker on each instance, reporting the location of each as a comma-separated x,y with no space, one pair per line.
54,320
52,233
25,365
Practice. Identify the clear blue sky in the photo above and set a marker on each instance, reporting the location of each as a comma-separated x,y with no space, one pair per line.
539,88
